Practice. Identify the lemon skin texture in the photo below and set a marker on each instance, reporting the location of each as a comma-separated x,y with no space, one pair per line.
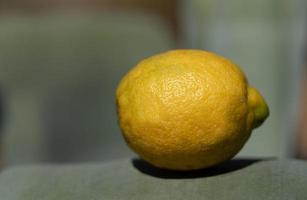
187,109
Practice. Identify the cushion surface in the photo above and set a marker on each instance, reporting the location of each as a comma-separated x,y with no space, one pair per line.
135,179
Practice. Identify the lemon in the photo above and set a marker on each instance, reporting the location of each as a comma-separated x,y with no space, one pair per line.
187,109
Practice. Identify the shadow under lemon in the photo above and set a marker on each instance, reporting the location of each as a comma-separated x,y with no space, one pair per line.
223,168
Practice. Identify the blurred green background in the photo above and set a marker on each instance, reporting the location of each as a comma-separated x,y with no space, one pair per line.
61,60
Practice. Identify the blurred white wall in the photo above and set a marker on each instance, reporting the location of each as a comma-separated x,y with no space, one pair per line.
59,73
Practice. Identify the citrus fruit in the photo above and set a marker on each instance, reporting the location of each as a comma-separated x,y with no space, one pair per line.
187,109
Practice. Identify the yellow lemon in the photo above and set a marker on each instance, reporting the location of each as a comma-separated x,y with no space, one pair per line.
187,109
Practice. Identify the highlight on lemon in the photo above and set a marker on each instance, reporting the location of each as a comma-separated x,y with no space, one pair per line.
187,109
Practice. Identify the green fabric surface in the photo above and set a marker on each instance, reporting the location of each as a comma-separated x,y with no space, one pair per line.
134,179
